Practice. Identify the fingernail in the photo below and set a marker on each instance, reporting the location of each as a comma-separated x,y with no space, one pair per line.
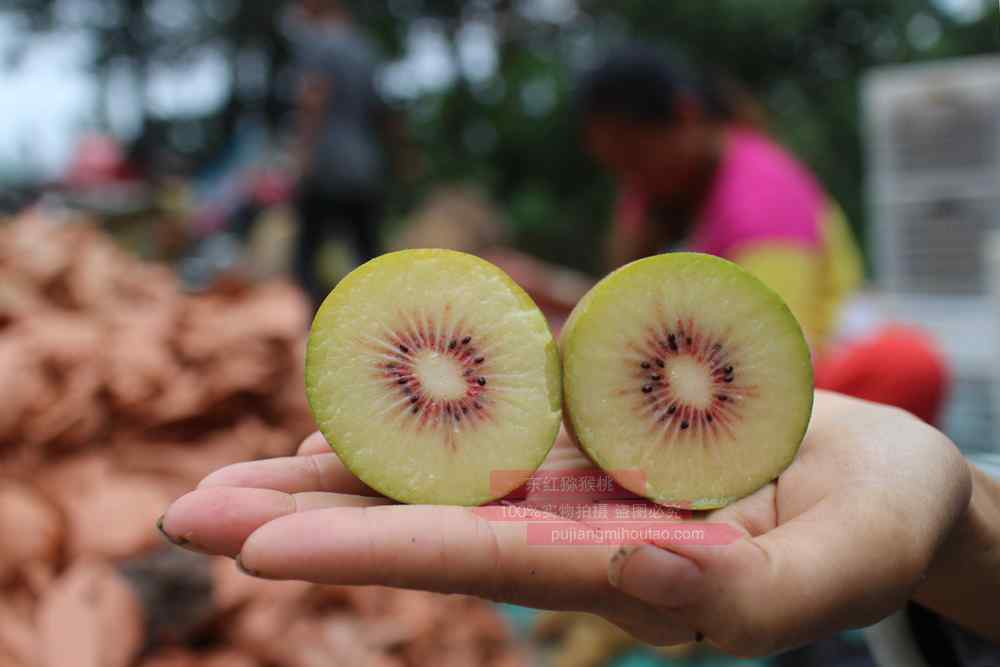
179,541
176,541
655,575
617,564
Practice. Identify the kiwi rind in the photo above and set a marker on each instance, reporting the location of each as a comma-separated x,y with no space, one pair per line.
665,264
397,261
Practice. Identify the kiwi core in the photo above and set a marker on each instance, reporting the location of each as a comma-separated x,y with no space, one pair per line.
441,376
438,380
691,382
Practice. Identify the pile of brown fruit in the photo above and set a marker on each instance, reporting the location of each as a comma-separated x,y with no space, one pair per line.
119,392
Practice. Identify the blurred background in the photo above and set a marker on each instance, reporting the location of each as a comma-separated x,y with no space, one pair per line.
158,177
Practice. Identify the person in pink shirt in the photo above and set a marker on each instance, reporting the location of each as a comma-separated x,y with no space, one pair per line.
696,172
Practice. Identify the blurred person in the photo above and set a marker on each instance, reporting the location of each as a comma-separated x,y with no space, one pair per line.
696,172
339,152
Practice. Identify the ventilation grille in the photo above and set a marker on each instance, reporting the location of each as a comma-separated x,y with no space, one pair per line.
937,246
969,418
944,127
934,124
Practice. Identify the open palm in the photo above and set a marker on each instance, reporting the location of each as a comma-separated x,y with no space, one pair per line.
840,540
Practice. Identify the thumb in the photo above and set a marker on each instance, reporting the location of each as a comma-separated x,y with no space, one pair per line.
813,576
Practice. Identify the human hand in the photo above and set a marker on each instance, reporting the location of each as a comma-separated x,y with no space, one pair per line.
839,541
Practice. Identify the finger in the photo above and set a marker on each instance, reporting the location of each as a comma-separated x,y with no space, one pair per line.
450,550
314,444
217,520
444,549
291,474
755,515
567,454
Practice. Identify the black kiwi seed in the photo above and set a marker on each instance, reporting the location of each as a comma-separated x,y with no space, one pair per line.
709,418
645,364
477,406
402,380
689,341
659,362
672,342
480,360
672,409
655,377
465,409
413,399
466,340
481,381
727,379
452,345
416,409
684,425
722,398
404,349
647,388
728,370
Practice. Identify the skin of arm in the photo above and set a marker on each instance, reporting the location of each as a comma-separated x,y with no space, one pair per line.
963,582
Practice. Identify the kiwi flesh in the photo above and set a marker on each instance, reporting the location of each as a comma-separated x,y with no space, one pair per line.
687,379
435,378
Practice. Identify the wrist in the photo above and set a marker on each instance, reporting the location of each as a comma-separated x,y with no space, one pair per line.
963,580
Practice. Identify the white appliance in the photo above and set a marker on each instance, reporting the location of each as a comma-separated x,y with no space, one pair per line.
933,138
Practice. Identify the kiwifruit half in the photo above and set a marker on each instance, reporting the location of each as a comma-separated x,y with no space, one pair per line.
686,379
434,377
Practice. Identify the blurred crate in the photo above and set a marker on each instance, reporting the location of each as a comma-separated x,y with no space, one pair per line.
934,246
933,137
933,129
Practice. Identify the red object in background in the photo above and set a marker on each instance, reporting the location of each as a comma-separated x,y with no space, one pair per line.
897,365
270,187
99,160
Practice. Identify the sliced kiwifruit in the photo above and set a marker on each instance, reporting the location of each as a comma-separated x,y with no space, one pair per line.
686,379
434,377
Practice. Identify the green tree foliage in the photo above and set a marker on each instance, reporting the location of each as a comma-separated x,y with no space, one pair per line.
515,131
